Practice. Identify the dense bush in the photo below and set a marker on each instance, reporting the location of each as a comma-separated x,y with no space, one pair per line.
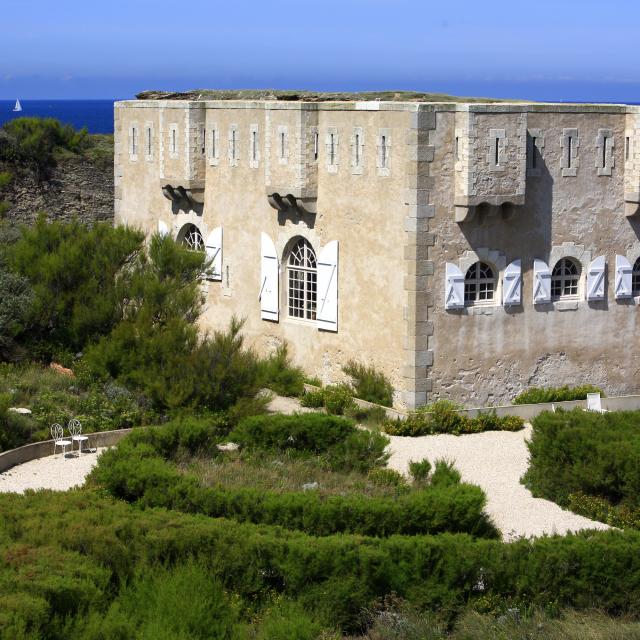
420,470
53,397
72,270
156,347
15,429
16,299
369,384
138,471
443,417
581,452
72,554
31,143
278,374
313,432
535,395
337,399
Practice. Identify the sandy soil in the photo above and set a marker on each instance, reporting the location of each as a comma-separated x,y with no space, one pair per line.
495,460
53,472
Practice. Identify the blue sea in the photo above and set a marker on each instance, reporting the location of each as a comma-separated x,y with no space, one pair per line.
95,115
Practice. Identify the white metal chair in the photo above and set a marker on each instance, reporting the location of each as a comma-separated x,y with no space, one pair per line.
57,433
75,430
594,404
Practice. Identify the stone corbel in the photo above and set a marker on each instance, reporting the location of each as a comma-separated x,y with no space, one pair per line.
291,204
631,204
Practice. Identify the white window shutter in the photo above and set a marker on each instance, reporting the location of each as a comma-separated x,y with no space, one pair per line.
454,287
163,229
623,278
213,247
512,284
269,280
596,279
327,314
541,282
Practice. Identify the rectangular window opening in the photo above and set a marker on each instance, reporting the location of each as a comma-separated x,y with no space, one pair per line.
627,147
497,151
316,145
569,151
357,149
605,148
383,152
233,144
173,141
254,145
203,141
332,150
457,148
213,143
534,149
148,141
134,133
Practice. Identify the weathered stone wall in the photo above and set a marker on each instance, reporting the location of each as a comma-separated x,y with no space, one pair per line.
76,188
398,225
489,353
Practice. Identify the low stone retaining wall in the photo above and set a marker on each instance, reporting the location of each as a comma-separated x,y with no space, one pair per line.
526,411
37,450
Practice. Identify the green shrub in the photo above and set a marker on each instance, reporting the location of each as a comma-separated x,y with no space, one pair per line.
359,451
535,395
388,478
443,416
445,474
31,143
72,270
103,545
580,452
313,399
338,399
15,429
138,471
288,621
278,374
369,384
311,432
420,470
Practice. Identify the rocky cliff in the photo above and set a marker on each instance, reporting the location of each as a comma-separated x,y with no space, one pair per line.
79,186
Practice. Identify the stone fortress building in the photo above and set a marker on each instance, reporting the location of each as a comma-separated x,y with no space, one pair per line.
467,250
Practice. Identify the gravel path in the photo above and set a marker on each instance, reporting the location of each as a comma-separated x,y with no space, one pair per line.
53,472
494,460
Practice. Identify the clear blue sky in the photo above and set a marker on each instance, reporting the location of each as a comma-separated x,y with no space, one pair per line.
542,49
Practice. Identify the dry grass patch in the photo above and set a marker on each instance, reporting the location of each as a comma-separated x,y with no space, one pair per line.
287,472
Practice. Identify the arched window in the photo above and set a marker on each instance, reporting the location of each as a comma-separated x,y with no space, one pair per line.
564,279
302,280
479,284
635,278
191,237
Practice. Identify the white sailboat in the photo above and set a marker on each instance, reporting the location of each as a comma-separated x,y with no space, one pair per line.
18,106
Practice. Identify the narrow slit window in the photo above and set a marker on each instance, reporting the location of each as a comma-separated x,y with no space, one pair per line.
134,133
534,147
497,151
605,148
316,145
148,141
203,141
173,141
332,150
282,144
569,151
627,147
233,144
383,152
254,145
457,148
213,143
357,149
